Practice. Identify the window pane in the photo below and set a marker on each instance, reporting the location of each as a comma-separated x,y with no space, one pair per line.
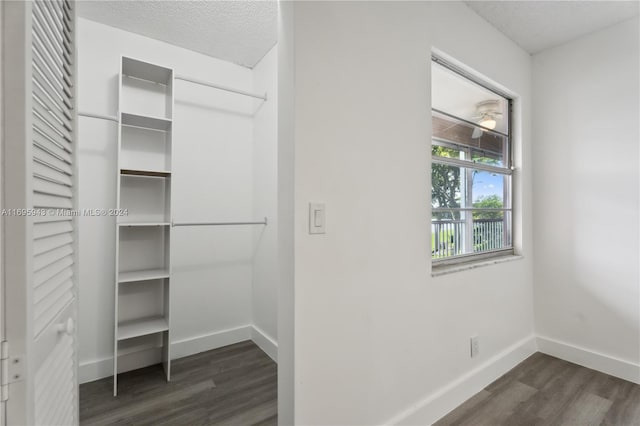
470,233
486,147
490,232
488,189
452,151
449,183
456,95
447,237
446,187
487,157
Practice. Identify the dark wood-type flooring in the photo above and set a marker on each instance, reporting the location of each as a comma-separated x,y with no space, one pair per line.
237,385
234,385
543,390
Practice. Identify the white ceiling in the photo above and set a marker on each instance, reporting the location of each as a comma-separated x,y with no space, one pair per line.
539,25
241,32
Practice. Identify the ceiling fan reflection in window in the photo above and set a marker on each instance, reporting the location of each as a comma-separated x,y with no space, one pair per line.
487,114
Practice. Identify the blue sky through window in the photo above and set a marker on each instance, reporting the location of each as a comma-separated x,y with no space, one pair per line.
486,184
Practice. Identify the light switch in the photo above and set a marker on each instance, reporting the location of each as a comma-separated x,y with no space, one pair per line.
316,218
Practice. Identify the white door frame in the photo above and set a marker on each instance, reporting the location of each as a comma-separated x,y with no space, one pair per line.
3,419
17,194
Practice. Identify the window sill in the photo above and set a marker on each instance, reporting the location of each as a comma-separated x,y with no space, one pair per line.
438,271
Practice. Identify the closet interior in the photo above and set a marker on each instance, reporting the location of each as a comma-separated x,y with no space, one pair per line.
178,153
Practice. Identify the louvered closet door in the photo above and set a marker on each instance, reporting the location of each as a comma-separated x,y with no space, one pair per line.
45,391
54,300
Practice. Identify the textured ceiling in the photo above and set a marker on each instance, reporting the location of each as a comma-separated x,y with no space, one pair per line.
539,25
241,32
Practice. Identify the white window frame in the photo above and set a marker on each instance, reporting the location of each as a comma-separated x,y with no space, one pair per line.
506,170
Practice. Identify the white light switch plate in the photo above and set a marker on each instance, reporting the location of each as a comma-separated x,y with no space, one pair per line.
317,219
475,346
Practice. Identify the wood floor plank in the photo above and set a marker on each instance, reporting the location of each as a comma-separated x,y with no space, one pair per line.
535,362
149,405
587,410
465,408
265,410
561,391
235,382
548,370
544,391
271,421
625,409
498,407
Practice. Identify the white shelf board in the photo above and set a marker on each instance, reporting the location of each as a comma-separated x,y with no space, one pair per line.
145,172
141,327
146,71
145,121
148,274
132,224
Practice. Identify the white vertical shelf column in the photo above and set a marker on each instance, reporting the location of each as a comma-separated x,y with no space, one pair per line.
143,225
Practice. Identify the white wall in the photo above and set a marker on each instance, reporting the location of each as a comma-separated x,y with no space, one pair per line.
586,197
265,203
212,180
377,338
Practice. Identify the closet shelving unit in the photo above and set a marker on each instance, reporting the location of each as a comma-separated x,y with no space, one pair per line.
143,236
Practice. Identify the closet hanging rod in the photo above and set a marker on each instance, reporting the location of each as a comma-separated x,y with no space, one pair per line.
262,222
98,116
217,86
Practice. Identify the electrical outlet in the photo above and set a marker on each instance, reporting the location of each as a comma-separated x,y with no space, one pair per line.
475,346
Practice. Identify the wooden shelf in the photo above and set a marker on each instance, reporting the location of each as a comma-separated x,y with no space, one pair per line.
145,121
146,173
149,274
141,327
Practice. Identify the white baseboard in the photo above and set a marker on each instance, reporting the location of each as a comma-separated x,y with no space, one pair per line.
101,368
587,358
265,342
437,404
206,342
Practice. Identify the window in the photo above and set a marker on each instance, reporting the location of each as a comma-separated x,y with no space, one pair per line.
471,168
